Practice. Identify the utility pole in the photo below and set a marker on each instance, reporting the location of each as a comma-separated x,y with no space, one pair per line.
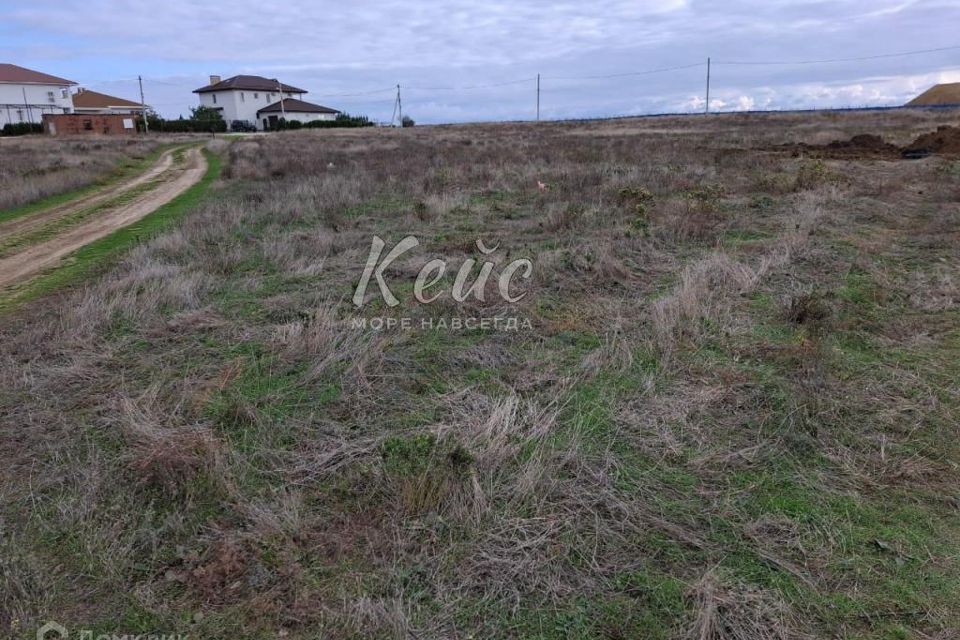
143,108
399,107
538,97
26,105
283,110
708,87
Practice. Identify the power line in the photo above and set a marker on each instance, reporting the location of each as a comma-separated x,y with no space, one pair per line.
185,82
831,60
627,74
476,86
353,95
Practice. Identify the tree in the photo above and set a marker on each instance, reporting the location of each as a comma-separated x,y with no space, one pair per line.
153,119
205,114
407,122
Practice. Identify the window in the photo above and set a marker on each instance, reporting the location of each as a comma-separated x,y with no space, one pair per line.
64,93
50,97
214,98
88,125
256,96
243,98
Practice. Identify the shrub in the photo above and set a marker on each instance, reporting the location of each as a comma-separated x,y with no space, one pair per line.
21,128
189,126
242,125
282,124
342,120
814,173
202,120
407,122
423,470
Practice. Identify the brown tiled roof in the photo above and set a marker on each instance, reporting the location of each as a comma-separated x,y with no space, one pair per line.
296,106
248,83
86,99
19,75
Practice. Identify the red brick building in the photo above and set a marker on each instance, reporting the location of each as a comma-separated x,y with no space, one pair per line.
78,124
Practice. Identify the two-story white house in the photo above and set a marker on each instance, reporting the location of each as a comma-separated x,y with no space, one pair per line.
259,101
25,95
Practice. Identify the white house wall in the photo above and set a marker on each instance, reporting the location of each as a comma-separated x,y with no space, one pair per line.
40,99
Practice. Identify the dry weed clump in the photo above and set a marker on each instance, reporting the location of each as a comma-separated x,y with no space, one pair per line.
165,455
746,614
704,299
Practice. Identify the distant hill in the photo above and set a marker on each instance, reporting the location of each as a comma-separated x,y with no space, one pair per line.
939,94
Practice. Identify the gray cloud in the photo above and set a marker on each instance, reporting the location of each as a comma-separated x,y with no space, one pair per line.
336,48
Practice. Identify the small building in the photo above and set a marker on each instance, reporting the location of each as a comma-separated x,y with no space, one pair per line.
88,102
292,109
27,95
79,124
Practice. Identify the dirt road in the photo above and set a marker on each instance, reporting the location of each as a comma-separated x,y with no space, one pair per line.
39,257
29,222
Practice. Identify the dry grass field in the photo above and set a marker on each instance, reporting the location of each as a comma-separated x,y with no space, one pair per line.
732,414
37,167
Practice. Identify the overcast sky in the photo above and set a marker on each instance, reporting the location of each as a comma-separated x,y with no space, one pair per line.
438,49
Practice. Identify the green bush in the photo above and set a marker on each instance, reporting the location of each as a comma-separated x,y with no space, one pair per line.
21,128
342,120
202,120
188,126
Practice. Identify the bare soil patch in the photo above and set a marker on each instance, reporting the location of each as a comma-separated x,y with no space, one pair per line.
944,141
864,146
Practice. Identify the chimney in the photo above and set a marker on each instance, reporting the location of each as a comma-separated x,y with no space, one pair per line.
214,79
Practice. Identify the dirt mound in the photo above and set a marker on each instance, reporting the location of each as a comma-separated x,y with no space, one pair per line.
940,94
864,146
945,140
